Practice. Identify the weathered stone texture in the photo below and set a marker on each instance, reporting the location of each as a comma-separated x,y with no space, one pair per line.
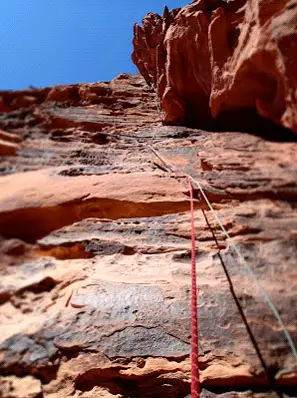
95,250
224,62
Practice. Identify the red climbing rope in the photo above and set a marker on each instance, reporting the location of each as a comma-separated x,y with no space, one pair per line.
195,368
195,387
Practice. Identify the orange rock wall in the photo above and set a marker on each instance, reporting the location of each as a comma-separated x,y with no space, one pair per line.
221,60
95,249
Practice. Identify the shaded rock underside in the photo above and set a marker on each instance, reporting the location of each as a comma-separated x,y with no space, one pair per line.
95,250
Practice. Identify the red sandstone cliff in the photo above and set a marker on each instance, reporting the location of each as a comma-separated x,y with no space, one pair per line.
95,250
222,60
95,232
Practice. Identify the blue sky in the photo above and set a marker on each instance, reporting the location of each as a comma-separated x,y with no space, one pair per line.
46,42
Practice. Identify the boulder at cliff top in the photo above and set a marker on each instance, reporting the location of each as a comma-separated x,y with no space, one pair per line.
225,62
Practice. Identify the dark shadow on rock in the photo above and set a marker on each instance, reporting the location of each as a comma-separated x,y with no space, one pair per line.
250,122
245,121
150,386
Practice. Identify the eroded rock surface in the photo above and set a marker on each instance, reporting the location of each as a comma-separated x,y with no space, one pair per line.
223,61
95,250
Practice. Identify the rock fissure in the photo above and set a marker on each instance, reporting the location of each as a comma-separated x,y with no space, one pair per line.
48,219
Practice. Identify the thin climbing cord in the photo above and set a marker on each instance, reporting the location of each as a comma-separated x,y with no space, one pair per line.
195,387
233,245
249,270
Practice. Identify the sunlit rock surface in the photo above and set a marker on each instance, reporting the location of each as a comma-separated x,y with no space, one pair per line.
95,250
227,63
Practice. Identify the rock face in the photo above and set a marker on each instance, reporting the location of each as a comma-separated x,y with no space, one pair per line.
95,250
227,62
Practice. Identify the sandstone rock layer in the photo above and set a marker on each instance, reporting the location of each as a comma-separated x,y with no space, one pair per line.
222,62
95,250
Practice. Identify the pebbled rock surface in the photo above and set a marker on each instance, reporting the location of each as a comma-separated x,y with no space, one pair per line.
228,62
95,250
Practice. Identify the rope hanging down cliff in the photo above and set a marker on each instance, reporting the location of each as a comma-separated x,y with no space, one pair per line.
195,388
237,251
250,272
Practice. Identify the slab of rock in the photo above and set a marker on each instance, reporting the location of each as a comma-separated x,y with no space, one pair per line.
95,253
64,200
